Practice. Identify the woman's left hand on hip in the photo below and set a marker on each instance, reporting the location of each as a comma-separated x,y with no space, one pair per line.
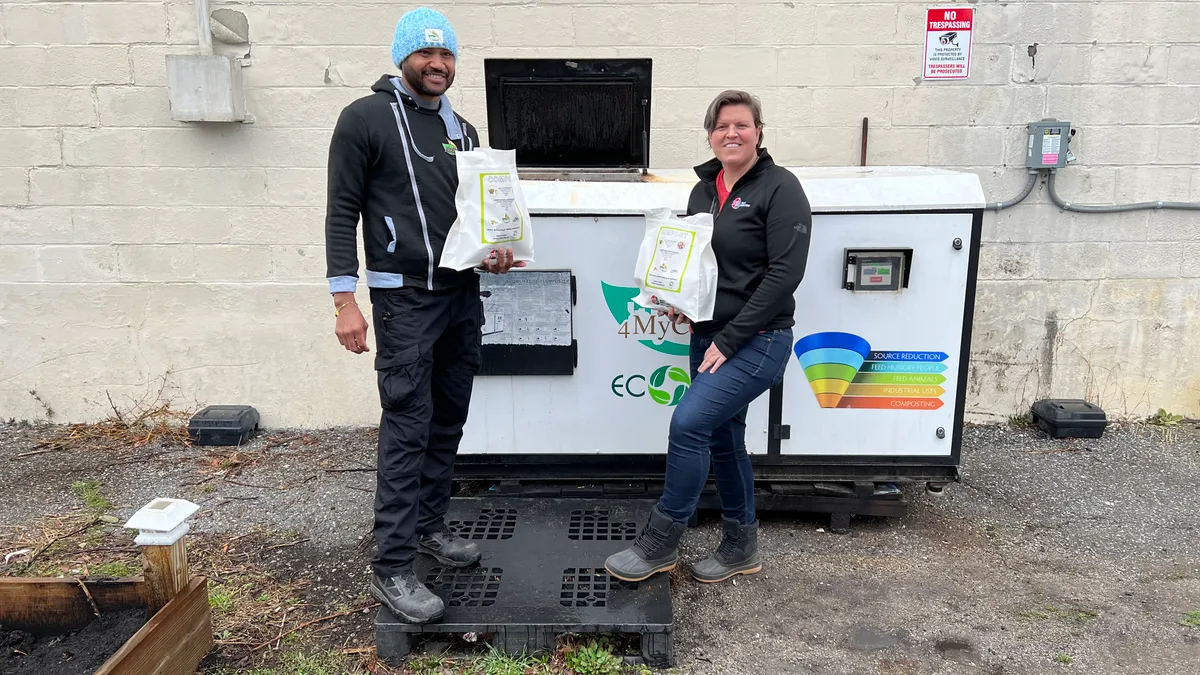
713,358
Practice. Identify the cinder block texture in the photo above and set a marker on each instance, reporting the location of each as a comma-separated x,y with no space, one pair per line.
91,23
14,186
45,106
45,65
133,224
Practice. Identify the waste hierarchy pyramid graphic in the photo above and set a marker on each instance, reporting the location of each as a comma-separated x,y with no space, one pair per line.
844,372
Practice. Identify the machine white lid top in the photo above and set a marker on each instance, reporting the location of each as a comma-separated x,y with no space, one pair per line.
829,190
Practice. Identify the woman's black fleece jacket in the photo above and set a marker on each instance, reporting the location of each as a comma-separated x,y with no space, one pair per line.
760,238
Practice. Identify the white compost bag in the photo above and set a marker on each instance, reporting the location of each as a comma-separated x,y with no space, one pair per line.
676,265
491,210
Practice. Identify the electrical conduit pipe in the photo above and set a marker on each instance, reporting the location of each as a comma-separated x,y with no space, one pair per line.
997,206
1115,208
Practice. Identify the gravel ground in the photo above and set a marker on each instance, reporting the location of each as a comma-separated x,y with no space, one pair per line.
1049,552
1051,556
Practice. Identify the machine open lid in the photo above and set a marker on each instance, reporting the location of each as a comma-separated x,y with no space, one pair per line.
584,115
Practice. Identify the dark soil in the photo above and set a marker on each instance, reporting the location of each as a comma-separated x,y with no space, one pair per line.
78,653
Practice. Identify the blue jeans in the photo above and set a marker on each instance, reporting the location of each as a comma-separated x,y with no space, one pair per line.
710,422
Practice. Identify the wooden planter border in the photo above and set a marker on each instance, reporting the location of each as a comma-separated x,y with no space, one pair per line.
172,642
57,606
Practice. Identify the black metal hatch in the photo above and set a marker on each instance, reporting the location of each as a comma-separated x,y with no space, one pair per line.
570,113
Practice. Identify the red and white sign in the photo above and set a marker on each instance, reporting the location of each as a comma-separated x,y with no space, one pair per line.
948,43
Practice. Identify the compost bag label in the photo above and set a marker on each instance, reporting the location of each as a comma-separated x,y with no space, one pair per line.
501,221
670,259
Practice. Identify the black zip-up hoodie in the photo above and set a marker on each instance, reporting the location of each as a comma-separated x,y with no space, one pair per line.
391,162
760,238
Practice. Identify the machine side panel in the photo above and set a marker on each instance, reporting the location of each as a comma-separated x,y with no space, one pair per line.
880,319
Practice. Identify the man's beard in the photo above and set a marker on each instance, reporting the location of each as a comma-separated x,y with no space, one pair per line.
416,80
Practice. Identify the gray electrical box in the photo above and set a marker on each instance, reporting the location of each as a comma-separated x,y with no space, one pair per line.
1048,141
205,88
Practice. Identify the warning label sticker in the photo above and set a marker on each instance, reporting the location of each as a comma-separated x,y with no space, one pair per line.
948,43
1051,146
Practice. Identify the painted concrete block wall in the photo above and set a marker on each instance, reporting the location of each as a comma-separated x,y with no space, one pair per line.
135,250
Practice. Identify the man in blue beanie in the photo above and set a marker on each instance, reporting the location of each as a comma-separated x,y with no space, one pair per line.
392,164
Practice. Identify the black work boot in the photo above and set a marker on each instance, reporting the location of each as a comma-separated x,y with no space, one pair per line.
449,548
407,597
655,550
737,554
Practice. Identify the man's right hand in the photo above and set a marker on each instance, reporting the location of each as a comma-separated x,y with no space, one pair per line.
351,327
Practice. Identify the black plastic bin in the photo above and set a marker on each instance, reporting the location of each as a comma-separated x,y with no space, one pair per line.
1069,418
223,425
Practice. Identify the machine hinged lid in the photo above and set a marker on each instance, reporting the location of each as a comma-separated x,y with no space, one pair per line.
580,114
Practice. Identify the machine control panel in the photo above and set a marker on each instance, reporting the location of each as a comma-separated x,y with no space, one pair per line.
876,270
528,324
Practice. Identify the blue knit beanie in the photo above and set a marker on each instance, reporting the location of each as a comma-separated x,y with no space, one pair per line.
422,28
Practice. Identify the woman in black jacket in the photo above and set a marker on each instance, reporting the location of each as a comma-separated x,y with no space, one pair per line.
761,224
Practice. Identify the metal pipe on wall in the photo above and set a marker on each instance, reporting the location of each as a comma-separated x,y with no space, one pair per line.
203,32
862,160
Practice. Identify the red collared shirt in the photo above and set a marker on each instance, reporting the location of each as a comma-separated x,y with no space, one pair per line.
722,191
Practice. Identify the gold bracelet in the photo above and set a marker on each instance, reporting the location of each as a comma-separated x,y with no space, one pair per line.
337,311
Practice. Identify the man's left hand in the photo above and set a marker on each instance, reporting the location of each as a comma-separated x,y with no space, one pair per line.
500,262
713,358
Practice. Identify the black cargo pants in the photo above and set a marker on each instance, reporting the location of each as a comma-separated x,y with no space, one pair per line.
428,352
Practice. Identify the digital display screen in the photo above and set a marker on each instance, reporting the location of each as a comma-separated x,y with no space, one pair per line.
876,275
879,273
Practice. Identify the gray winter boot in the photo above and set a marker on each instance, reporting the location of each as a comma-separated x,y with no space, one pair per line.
408,598
737,554
449,548
655,550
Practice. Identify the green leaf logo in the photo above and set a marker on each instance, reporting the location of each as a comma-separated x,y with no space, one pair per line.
618,299
668,384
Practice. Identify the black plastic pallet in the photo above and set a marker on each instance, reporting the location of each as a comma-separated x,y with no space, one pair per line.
841,501
542,575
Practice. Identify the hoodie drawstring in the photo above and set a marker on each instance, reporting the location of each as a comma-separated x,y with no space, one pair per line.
468,144
411,139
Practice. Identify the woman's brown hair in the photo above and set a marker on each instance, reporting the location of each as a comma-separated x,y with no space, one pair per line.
734,97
